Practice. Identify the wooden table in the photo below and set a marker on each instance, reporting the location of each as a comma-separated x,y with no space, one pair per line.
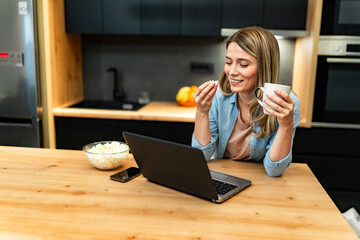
57,194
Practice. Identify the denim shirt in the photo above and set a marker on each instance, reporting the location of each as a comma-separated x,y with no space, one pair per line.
222,116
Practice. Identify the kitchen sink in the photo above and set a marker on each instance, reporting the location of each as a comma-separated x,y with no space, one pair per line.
108,105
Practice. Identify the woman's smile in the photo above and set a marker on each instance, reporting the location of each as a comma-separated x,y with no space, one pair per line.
235,82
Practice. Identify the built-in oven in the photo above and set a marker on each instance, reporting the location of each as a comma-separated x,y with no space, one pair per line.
337,87
340,17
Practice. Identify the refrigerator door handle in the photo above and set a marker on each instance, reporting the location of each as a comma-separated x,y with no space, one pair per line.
16,122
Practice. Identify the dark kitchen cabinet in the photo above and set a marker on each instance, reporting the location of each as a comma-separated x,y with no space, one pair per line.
181,17
160,17
271,14
289,14
102,16
333,156
83,16
148,17
74,133
200,17
242,13
121,17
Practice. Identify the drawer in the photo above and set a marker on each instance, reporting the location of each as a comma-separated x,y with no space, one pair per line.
327,142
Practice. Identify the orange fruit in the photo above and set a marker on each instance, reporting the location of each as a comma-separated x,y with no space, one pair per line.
185,96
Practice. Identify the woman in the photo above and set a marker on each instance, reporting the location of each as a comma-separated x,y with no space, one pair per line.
230,123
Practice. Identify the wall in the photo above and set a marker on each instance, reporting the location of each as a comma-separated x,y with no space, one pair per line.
160,65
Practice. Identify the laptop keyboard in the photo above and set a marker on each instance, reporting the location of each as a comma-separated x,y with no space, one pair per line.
222,188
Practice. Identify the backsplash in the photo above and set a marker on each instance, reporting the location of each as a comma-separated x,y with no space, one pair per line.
158,65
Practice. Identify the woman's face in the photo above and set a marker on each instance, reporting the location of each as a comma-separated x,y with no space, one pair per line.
241,69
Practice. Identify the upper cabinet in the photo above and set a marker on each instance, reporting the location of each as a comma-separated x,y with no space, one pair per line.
160,17
119,17
148,17
271,14
102,16
242,13
83,16
200,17
285,15
181,17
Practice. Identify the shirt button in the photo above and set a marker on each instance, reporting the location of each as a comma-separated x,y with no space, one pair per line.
253,148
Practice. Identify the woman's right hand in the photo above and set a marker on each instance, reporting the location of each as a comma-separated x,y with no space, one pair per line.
204,95
203,98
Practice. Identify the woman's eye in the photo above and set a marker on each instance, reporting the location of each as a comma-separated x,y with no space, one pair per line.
228,63
244,65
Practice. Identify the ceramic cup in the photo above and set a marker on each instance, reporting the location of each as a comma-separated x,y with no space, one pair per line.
269,88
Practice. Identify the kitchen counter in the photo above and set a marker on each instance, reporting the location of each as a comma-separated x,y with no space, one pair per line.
57,194
154,111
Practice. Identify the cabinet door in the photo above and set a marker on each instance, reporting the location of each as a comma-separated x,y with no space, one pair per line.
121,17
242,13
289,14
74,133
83,16
160,17
200,17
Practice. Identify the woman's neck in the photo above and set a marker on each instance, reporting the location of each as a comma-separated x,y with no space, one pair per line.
243,106
243,99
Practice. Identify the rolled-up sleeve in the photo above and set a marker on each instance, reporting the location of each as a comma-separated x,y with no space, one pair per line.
275,169
208,150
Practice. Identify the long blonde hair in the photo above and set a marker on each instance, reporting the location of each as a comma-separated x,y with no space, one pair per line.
263,46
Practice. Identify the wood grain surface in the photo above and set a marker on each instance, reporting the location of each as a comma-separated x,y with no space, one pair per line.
154,111
57,194
305,62
60,56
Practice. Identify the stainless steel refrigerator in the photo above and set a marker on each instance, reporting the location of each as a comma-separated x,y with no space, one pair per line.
20,108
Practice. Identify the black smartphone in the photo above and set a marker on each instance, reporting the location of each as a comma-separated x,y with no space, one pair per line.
126,175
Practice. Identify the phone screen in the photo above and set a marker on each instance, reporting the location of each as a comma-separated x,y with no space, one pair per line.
126,175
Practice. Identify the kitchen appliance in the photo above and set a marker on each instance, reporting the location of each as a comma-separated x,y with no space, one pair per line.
337,88
19,78
340,17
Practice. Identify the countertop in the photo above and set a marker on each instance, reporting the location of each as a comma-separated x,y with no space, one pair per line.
57,194
153,111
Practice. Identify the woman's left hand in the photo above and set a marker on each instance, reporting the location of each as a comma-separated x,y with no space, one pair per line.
282,108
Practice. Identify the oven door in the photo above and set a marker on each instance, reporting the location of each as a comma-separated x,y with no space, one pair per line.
337,92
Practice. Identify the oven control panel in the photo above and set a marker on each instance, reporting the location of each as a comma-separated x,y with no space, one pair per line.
339,46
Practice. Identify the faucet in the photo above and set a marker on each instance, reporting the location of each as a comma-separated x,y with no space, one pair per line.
119,94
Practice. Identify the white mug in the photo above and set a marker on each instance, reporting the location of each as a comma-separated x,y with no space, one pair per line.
269,88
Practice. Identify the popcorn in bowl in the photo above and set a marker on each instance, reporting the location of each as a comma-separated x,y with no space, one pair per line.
106,155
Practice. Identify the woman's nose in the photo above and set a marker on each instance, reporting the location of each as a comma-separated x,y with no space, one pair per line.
233,70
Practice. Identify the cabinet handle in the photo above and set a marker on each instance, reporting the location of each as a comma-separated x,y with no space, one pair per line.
335,125
343,60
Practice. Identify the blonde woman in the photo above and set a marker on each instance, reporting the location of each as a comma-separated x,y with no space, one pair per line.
230,123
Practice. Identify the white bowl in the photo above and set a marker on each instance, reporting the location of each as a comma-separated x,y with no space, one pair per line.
106,155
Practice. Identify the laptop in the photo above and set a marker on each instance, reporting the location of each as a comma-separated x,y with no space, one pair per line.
181,167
